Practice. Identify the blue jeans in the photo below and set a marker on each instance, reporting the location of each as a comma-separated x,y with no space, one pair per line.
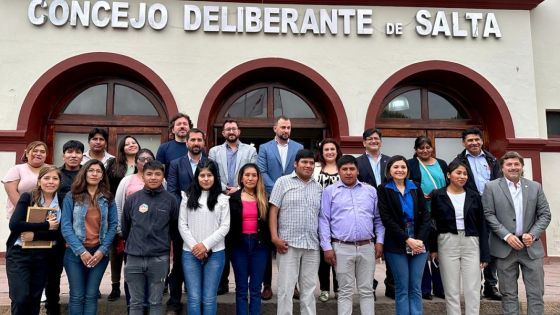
202,278
249,261
84,282
407,271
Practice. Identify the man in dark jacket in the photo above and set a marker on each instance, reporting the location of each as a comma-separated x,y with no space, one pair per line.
482,167
72,153
371,170
148,225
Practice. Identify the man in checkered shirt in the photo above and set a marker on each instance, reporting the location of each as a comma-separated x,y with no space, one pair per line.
294,208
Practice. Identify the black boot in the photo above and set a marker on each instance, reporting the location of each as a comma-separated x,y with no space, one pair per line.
115,292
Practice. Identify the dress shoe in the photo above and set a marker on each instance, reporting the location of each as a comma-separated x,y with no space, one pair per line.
266,293
390,294
115,292
427,297
223,290
440,295
492,293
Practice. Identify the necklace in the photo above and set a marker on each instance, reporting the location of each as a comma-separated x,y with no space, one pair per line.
248,193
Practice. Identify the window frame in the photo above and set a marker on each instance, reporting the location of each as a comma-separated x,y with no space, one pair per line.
115,124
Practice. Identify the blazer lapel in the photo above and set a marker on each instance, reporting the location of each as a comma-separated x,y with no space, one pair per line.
505,189
468,203
525,194
370,170
277,154
222,157
238,156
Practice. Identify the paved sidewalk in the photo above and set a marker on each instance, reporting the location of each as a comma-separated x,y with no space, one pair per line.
383,304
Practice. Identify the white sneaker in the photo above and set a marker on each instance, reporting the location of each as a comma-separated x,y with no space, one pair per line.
324,296
43,297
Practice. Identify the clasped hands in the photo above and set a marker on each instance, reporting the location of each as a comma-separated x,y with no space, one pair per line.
517,244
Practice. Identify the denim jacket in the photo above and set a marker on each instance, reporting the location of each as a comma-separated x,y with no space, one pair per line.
73,226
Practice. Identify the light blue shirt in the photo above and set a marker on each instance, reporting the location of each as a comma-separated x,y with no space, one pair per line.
193,163
231,159
375,167
480,170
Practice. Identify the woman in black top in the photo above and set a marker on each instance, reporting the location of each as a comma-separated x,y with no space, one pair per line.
117,168
25,267
407,225
462,240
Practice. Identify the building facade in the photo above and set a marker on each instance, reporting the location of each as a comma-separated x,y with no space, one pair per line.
334,67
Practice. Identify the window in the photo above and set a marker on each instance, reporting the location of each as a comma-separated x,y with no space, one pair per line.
256,108
121,106
553,124
422,103
410,111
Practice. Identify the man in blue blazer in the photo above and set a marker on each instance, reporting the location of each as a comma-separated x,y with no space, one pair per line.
179,178
276,158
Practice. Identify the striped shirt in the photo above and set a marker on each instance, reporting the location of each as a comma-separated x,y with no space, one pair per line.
298,205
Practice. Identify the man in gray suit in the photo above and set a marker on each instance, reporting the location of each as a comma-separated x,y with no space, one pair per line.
230,157
517,213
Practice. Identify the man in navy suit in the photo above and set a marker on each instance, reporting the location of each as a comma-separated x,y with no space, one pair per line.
371,170
179,178
276,158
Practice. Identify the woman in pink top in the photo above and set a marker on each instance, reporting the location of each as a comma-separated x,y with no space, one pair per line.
23,177
248,239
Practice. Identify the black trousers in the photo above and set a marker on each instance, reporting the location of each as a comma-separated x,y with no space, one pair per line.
27,272
176,277
55,261
325,275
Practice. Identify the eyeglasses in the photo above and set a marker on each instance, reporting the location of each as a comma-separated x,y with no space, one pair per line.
231,129
94,171
145,159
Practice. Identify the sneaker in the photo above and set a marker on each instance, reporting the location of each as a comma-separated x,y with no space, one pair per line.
324,296
43,297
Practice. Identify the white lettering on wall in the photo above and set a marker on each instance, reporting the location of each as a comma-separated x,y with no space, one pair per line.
257,19
440,24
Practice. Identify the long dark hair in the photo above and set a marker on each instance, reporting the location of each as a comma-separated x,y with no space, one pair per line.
79,186
194,191
117,166
260,192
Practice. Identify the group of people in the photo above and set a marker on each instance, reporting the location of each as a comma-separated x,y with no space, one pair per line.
436,225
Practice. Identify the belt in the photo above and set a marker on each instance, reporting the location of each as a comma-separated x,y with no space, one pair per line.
355,243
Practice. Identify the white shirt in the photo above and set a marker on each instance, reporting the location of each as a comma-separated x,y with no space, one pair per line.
106,157
517,197
458,201
283,150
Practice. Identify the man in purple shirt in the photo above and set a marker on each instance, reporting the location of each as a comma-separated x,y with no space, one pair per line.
347,221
